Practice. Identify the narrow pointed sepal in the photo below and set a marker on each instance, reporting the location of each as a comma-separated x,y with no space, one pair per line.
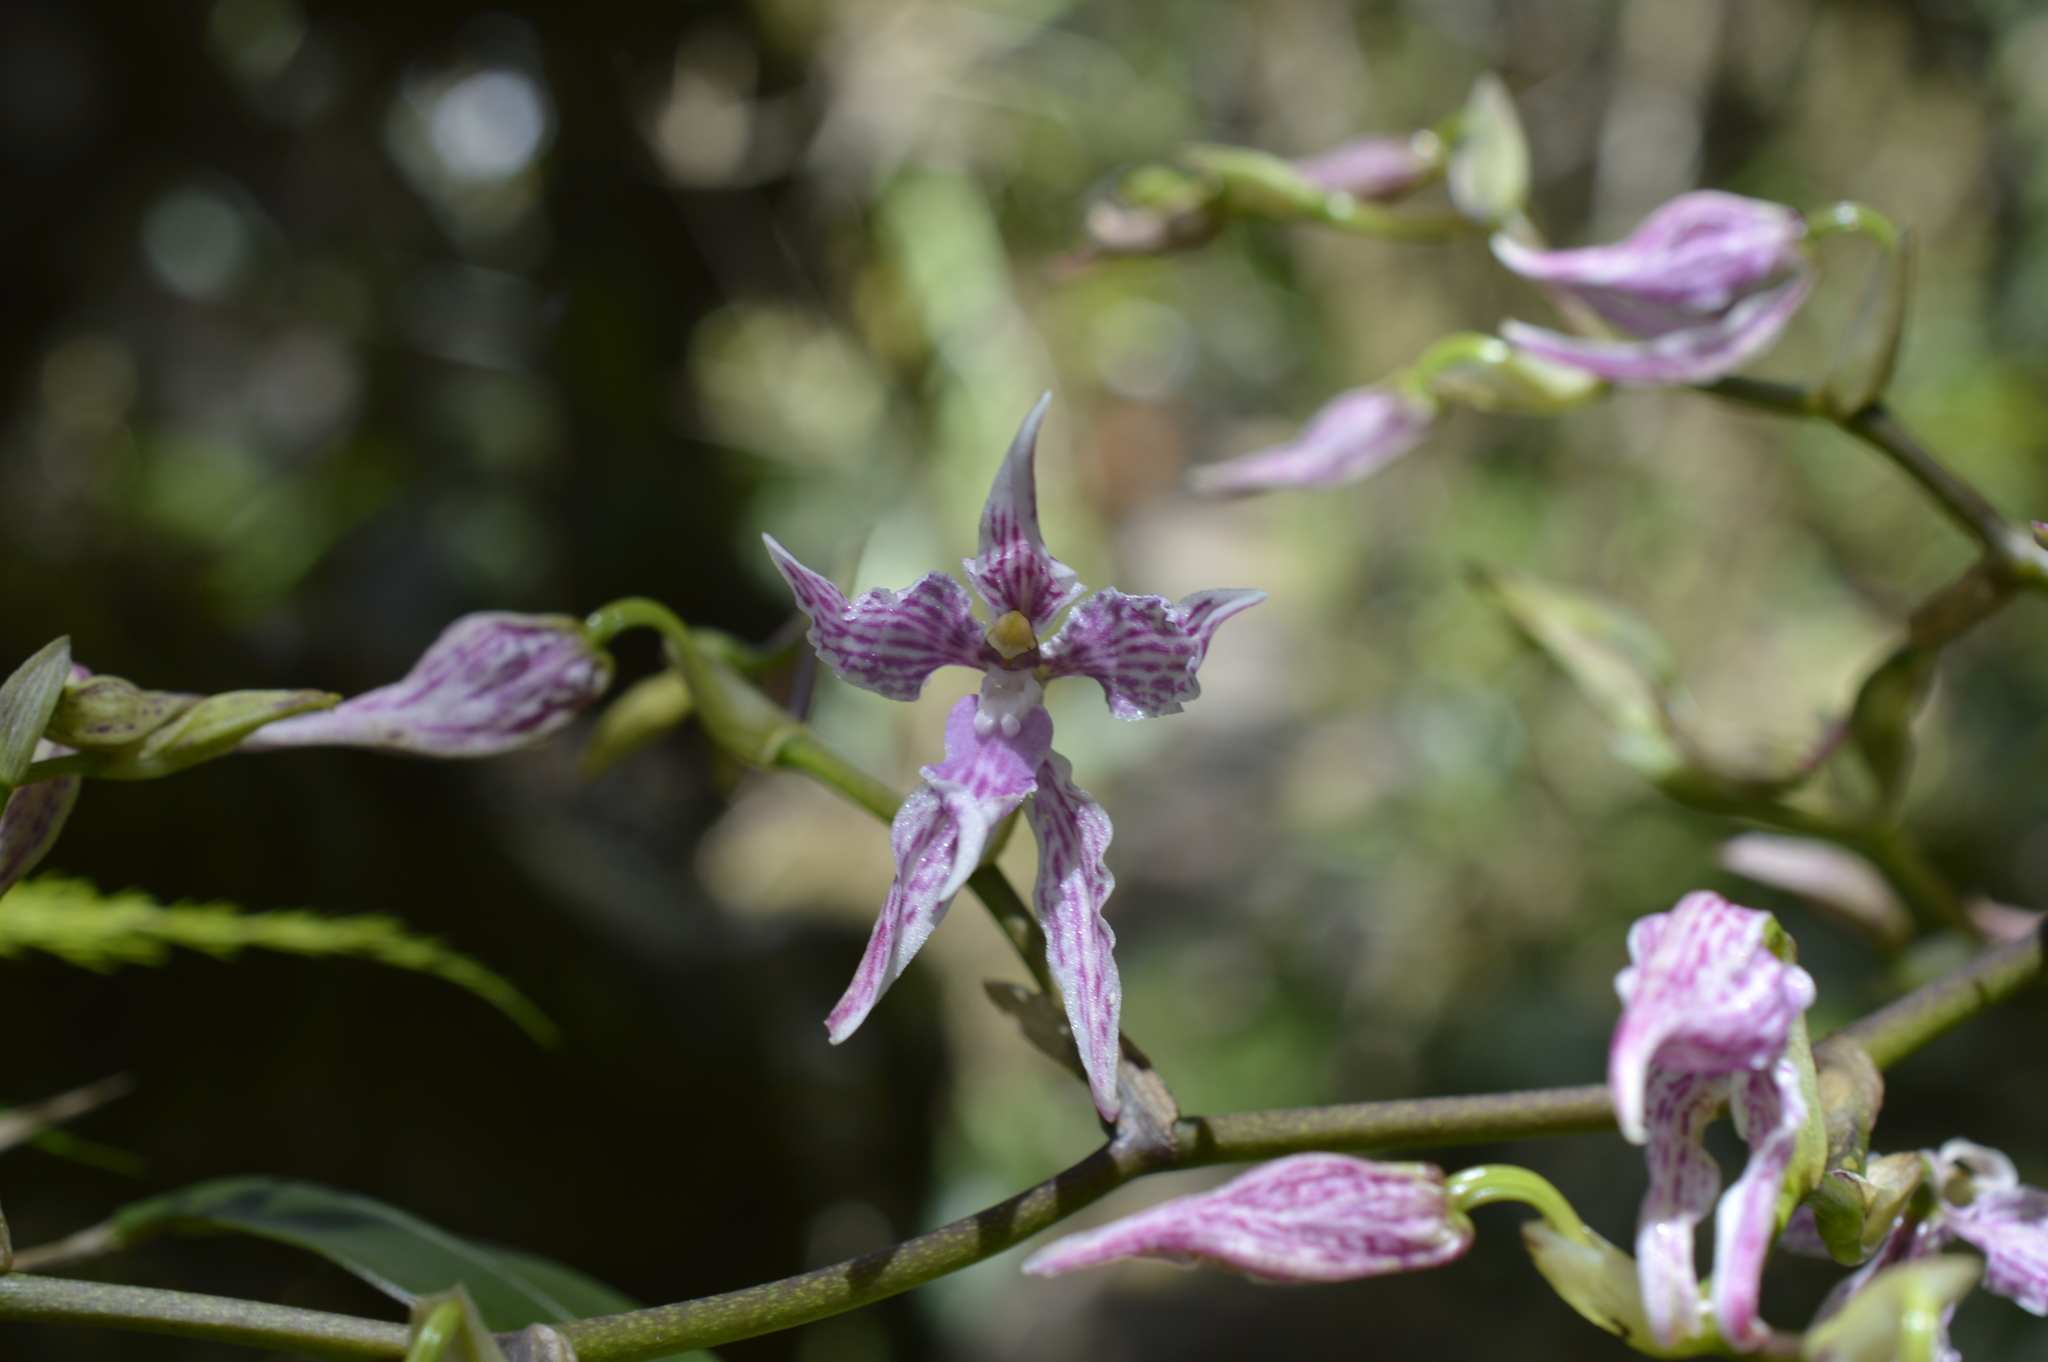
492,682
1073,883
938,836
1144,650
1014,571
889,642
1305,1218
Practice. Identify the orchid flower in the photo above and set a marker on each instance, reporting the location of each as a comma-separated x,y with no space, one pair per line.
1353,436
1305,1218
1979,1200
1703,284
1143,650
492,682
1707,1014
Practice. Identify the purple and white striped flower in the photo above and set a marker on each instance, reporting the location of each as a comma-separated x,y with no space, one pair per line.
1703,284
1707,1015
1143,651
1305,1218
491,683
1352,436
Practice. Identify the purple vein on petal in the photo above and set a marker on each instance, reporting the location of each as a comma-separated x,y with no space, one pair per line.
1073,883
888,642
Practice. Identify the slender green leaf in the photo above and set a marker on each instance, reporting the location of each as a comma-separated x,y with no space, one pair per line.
27,699
73,921
397,1252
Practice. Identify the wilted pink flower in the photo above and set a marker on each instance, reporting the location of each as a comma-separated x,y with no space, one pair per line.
1705,282
491,683
1353,436
1707,1014
1305,1218
1143,650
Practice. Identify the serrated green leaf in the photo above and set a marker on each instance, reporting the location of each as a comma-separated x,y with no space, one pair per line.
1621,666
75,922
27,699
395,1251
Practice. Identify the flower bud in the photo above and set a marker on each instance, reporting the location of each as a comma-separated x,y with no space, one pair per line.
1305,1218
492,682
1353,436
1377,169
1489,171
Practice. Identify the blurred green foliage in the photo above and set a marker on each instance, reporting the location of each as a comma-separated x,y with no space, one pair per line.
326,323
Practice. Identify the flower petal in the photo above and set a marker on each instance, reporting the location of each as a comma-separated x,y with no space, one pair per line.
1013,570
1684,1180
33,818
492,682
1768,1109
1073,883
1695,354
1353,435
888,642
2010,1227
1693,258
1144,650
1703,995
1306,1218
938,836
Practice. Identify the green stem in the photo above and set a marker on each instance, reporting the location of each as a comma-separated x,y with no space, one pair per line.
2008,544
1889,1035
1491,1182
1932,1010
308,1333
